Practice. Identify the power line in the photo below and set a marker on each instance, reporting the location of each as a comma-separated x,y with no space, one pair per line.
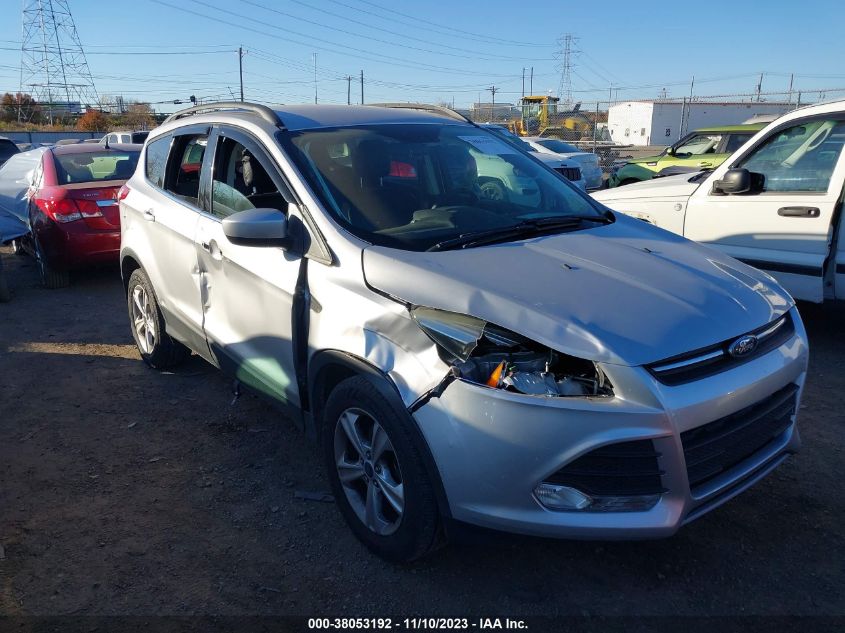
473,54
416,20
394,61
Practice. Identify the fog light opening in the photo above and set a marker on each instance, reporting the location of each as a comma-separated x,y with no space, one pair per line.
556,497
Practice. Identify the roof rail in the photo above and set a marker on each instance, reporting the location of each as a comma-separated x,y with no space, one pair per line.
427,107
268,114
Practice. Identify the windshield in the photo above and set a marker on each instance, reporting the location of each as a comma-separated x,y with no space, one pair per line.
558,146
94,166
413,186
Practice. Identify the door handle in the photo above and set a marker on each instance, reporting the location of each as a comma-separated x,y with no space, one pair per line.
799,212
212,249
149,215
705,163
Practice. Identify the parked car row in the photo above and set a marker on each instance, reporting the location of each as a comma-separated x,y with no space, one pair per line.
525,360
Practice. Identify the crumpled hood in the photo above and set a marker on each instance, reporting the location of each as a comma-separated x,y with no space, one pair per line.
626,293
670,186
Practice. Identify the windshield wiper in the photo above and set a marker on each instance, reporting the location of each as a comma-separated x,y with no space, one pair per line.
526,228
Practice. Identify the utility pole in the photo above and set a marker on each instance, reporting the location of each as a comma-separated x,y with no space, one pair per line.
760,87
531,84
493,90
523,82
610,95
315,77
791,77
362,87
348,89
241,68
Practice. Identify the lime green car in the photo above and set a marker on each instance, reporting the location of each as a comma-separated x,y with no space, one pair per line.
706,148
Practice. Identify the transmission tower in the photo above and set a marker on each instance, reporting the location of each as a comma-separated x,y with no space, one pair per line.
54,69
564,91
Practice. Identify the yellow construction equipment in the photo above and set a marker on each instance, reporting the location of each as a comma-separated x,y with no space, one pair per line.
540,116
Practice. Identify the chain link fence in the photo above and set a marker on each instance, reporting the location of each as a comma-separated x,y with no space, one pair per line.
620,131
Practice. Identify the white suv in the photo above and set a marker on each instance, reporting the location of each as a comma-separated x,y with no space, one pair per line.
458,358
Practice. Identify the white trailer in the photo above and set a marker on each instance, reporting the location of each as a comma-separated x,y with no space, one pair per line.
664,122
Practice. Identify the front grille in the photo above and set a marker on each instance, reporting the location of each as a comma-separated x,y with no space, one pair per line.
570,173
715,359
711,449
627,468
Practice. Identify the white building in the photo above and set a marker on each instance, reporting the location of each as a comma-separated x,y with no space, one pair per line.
664,122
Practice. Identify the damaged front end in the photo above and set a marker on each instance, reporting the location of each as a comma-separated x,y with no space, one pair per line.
486,354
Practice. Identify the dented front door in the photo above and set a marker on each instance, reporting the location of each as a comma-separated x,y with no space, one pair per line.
247,291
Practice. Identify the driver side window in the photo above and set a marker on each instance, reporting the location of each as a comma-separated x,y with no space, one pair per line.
241,181
800,158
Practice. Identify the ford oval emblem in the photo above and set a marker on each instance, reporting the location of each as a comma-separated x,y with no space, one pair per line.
743,346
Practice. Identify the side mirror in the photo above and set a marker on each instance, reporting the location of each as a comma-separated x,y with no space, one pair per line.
734,181
257,227
669,151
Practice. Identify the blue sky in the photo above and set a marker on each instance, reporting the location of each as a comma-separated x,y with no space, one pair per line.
444,51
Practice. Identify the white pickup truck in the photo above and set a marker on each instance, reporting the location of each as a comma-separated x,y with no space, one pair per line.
775,204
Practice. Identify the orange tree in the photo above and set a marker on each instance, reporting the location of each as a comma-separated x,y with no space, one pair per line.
93,121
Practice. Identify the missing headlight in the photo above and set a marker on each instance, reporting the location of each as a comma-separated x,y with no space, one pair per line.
486,354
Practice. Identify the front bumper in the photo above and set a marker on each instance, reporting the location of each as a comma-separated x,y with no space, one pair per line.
492,447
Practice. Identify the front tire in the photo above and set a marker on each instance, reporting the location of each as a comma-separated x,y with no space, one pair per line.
377,474
157,348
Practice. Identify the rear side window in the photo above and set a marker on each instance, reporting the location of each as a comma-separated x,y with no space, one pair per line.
183,171
156,161
95,166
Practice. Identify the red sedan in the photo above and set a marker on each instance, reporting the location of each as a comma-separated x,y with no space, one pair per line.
73,208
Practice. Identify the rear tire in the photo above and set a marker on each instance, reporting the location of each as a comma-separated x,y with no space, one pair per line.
158,349
51,278
386,496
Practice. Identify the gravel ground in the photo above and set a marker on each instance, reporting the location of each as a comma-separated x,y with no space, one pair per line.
125,491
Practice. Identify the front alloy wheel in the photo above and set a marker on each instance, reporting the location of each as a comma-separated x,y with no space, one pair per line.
376,470
369,471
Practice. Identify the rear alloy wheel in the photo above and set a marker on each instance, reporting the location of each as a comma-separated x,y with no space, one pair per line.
157,348
51,278
377,474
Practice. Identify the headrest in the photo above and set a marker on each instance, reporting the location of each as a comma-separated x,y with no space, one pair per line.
371,160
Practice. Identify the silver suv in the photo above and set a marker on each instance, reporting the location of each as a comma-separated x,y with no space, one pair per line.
534,364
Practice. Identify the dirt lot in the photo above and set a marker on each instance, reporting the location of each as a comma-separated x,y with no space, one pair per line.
128,491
